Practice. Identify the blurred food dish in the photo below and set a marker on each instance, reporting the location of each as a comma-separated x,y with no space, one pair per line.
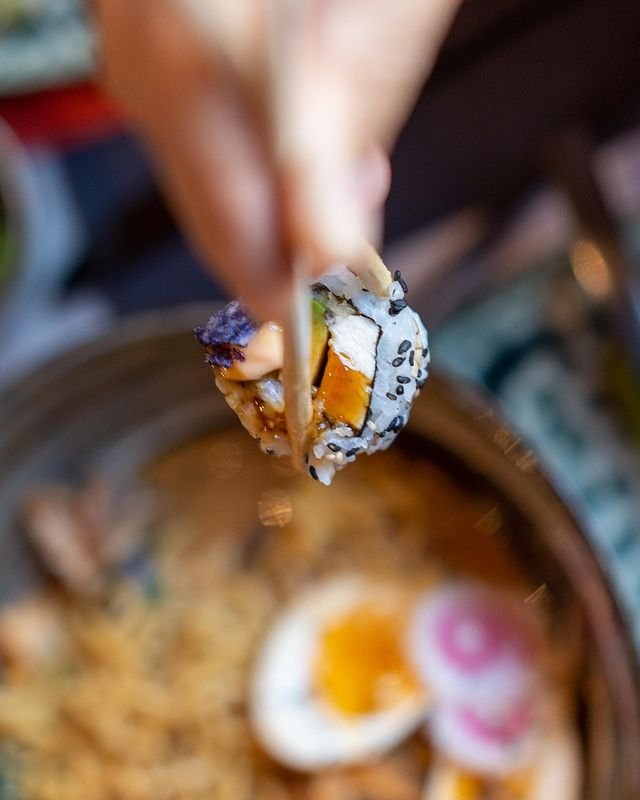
158,678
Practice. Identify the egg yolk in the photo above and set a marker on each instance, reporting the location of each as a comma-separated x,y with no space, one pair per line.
360,667
471,788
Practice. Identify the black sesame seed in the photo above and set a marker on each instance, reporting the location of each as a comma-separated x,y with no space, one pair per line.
313,472
397,361
397,276
396,425
412,356
269,451
399,389
333,447
391,396
351,452
403,379
396,306
425,352
405,344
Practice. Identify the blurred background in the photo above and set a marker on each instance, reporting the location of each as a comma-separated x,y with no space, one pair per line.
514,215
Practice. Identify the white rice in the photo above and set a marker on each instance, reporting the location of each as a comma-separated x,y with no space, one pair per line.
401,334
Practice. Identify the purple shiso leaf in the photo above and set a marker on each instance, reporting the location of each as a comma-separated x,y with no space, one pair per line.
228,330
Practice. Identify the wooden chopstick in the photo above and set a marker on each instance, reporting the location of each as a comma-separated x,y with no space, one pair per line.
372,271
282,23
297,370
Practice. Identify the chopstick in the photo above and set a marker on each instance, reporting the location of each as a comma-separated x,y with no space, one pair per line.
297,372
372,271
283,19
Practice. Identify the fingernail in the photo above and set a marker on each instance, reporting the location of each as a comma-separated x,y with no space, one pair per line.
336,216
371,178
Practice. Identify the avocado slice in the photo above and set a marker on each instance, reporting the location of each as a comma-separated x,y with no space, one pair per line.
319,340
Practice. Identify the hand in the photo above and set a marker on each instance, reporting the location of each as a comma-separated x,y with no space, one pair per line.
192,75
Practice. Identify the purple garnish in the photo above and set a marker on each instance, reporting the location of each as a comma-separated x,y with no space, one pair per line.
226,333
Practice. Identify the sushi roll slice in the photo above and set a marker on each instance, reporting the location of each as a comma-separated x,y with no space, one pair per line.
369,360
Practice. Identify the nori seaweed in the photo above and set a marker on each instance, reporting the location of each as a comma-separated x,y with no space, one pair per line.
226,333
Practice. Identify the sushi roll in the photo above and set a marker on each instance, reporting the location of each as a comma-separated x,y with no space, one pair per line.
369,360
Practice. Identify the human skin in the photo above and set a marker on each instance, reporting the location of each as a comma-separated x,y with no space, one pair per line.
196,80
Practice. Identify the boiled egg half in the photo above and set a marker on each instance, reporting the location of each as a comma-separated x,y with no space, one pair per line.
333,683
